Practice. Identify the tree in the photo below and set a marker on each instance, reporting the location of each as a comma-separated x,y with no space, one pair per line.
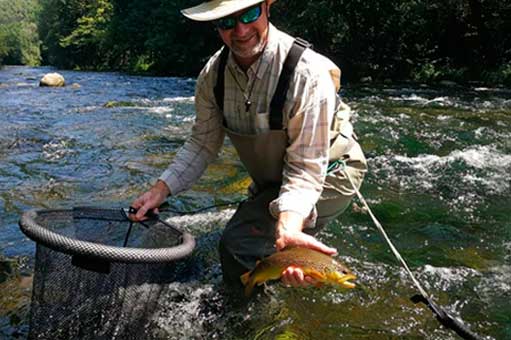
19,41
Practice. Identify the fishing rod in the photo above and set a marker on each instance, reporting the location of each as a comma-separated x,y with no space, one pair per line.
441,314
165,207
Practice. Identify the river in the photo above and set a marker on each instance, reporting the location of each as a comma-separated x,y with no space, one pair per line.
439,181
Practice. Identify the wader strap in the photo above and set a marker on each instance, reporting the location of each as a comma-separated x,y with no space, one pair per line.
220,80
279,97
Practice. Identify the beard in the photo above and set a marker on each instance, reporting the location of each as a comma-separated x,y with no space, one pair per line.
244,52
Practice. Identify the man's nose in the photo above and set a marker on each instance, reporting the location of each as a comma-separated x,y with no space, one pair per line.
240,29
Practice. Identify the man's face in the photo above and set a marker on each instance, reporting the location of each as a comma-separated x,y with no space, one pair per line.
247,40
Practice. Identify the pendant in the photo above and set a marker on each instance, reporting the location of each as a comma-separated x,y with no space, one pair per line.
248,103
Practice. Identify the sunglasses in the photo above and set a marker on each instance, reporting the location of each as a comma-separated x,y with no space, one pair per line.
247,17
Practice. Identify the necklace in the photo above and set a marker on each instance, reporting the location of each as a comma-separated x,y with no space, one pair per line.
248,102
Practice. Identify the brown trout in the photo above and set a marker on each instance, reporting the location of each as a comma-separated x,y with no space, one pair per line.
319,266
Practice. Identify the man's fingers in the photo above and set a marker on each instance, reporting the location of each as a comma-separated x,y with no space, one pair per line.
138,202
280,243
149,201
300,278
288,277
285,279
294,277
319,246
308,241
140,215
302,239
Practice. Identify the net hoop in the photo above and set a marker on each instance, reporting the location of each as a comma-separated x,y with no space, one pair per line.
70,246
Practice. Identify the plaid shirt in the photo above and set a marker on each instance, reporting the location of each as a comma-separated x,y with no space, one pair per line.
308,112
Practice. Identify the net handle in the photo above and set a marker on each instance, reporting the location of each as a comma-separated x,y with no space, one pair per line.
64,244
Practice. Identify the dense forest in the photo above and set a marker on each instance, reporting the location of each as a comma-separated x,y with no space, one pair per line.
423,40
19,39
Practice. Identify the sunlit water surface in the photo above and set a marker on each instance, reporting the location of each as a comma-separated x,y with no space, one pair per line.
439,181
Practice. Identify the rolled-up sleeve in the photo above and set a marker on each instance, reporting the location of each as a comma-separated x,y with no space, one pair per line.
309,115
205,141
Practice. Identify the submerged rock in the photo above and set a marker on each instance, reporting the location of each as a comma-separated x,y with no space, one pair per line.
21,84
112,104
53,80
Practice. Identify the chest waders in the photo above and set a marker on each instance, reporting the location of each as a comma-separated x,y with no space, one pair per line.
250,234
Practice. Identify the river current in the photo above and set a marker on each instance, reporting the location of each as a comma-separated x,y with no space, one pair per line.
439,181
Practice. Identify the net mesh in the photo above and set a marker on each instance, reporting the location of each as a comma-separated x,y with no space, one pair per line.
71,302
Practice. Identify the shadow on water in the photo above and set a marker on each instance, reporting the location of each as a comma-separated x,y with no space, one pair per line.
439,163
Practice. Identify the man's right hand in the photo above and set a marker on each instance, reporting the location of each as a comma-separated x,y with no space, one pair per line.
150,200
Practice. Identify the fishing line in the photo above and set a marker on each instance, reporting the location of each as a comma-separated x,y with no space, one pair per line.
441,314
165,208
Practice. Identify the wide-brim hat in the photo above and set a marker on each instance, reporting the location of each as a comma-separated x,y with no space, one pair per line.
216,9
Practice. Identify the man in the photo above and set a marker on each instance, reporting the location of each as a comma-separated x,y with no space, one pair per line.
286,153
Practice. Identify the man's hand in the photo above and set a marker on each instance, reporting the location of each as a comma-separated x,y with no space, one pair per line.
151,199
289,233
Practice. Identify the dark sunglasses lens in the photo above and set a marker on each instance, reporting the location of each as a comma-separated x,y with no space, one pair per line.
248,17
226,23
251,15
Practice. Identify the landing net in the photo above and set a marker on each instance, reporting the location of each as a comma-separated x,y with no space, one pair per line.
99,276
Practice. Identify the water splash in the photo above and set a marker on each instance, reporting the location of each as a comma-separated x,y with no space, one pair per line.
482,167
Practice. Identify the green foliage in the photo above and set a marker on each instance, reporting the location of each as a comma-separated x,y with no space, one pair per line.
91,29
75,32
500,76
426,40
426,73
396,39
142,64
155,35
4,49
430,72
19,40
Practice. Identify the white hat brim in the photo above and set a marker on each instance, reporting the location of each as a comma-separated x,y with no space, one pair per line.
216,9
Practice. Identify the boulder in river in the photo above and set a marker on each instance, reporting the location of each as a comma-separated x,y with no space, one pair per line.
52,79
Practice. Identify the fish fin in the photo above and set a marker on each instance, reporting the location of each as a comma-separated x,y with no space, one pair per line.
344,281
346,277
249,287
245,278
315,274
347,284
318,284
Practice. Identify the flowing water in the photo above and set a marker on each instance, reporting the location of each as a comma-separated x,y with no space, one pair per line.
439,181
